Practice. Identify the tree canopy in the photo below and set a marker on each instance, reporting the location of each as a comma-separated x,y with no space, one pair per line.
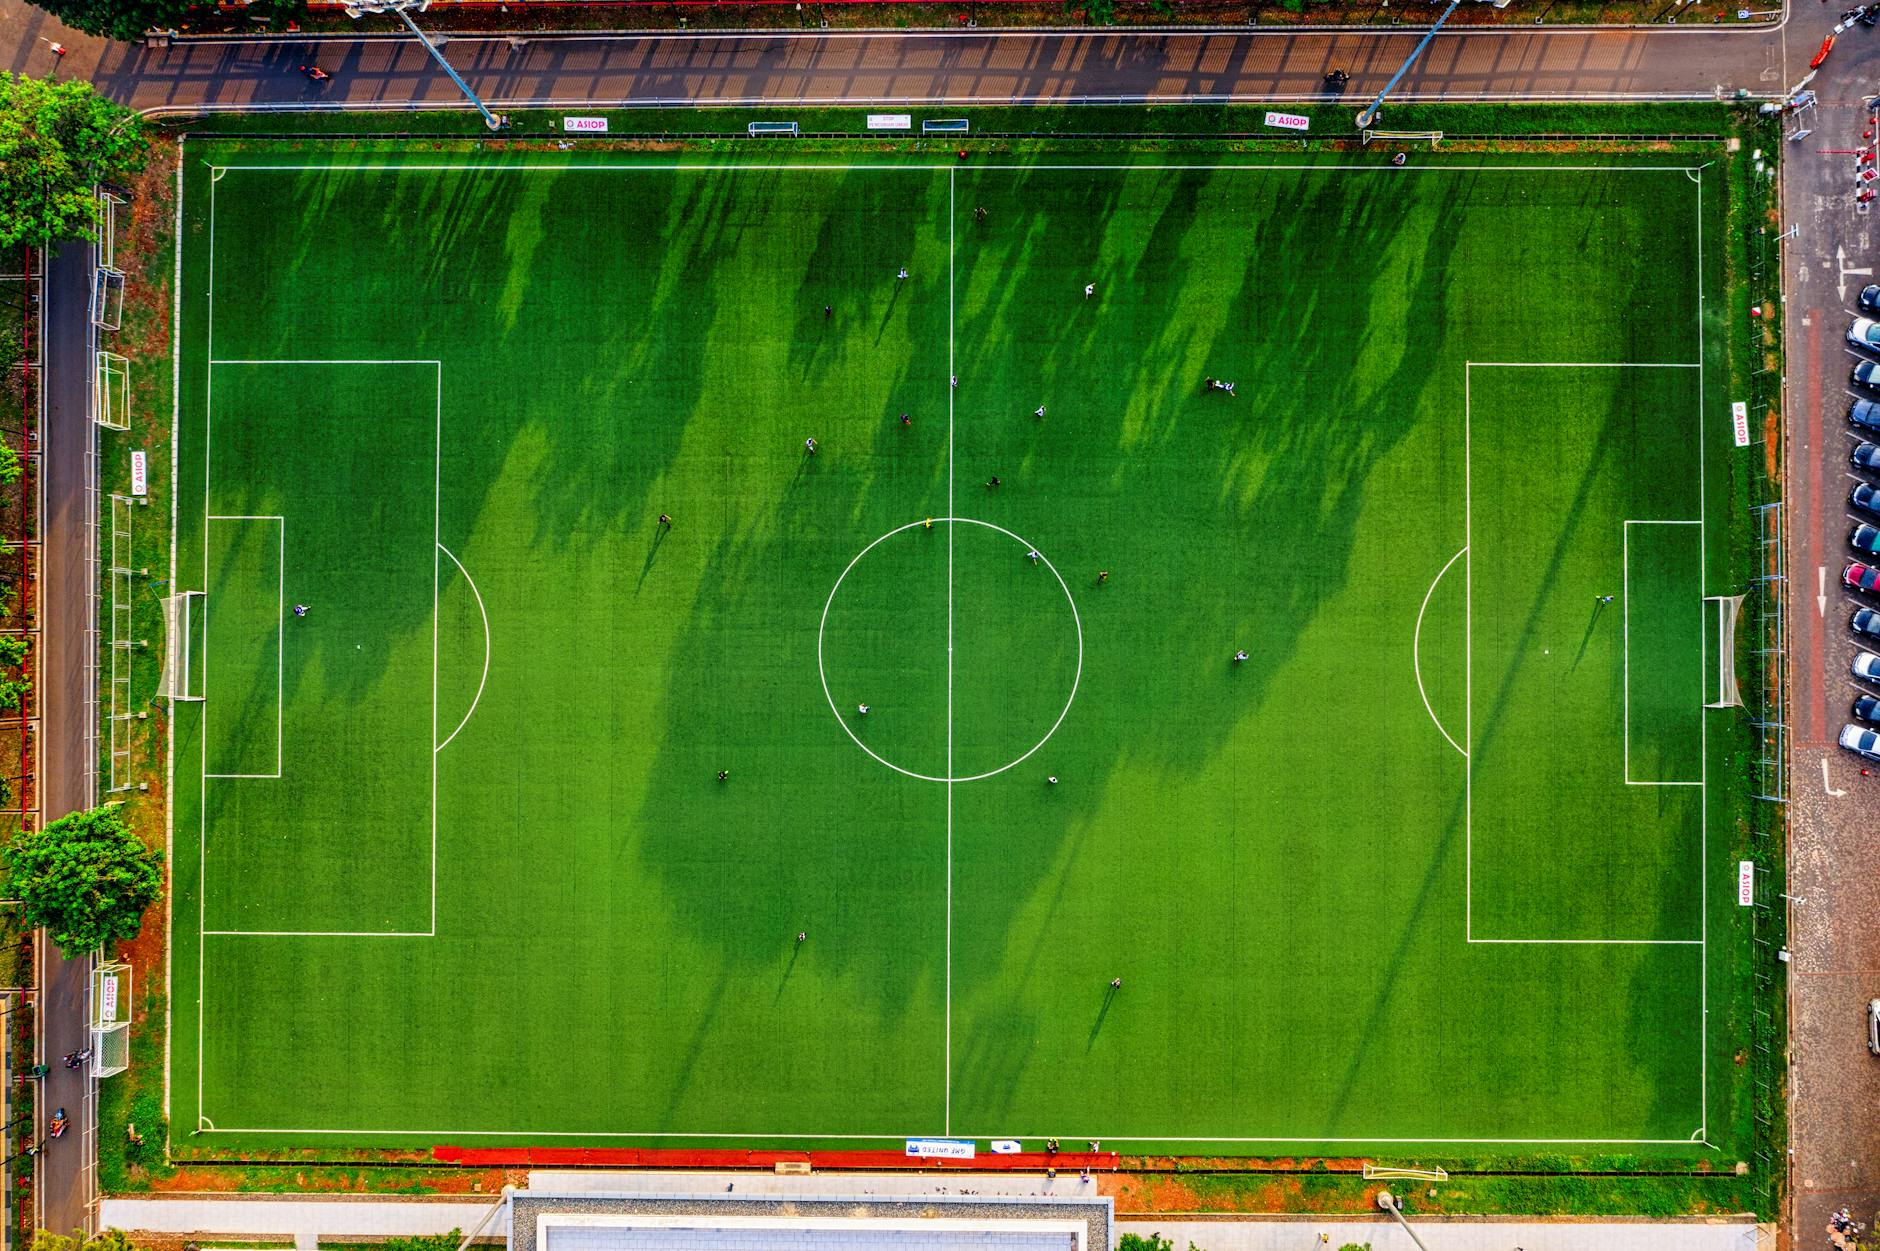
87,878
57,139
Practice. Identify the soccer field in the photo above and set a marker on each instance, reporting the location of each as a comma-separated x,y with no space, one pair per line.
1442,863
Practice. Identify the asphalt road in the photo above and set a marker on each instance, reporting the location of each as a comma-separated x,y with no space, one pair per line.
1693,61
67,782
1835,1107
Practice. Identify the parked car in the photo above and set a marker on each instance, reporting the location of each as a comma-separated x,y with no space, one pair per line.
1867,665
1867,708
1869,298
1866,374
1865,414
1866,455
1865,621
1863,743
1865,537
1873,1027
1860,577
1865,333
1865,498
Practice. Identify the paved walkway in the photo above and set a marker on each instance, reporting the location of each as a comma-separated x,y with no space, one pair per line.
306,1220
1293,1235
1693,61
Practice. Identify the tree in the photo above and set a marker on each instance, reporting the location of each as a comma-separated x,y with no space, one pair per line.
86,877
13,649
57,139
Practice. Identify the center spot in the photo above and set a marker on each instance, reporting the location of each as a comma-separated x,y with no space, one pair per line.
1015,650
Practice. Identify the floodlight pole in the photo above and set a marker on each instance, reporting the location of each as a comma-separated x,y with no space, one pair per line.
489,119
1392,1204
1370,110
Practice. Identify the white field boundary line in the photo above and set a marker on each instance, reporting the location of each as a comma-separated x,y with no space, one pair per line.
169,747
946,1121
482,681
1703,731
628,167
1469,935
1626,649
280,646
206,1125
1001,1132
1416,651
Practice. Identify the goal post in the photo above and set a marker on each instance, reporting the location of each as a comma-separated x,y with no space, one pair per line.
1431,137
180,680
110,1011
1729,607
107,297
114,391
1381,1172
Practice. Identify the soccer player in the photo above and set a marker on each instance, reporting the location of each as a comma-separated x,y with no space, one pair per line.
1116,983
1051,779
724,775
300,610
992,483
861,710
665,519
906,420
809,447
1103,575
1605,599
1032,555
1038,412
902,276
1240,656
1090,289
802,935
828,311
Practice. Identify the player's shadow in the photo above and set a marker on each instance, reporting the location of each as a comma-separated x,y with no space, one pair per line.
652,553
1109,997
888,315
1586,640
783,983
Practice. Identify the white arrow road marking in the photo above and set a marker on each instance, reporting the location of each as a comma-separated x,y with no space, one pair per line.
1824,780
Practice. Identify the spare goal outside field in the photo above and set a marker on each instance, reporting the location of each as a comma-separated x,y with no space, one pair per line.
110,1018
1432,137
179,616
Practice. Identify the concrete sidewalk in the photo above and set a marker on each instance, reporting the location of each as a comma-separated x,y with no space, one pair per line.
1457,1235
306,1220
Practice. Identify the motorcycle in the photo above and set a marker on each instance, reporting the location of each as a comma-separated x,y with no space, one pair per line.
56,1127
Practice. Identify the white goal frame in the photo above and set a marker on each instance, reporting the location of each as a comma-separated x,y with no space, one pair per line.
109,1012
1729,607
1433,137
113,391
178,620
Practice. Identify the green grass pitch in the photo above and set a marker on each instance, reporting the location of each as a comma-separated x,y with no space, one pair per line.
1429,869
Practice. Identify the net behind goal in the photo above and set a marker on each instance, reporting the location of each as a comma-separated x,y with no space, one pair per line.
1728,608
179,680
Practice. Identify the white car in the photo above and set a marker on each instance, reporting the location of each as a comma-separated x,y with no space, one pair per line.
1865,333
1867,665
1864,743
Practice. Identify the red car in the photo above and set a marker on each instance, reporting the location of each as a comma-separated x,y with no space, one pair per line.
1861,577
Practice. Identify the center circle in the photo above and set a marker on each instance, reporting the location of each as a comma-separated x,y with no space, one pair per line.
963,641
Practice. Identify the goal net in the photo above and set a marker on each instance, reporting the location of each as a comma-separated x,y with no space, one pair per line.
1431,137
110,1018
107,298
114,391
179,627
1728,609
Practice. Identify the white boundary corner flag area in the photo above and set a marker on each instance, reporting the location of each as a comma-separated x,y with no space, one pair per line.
182,683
